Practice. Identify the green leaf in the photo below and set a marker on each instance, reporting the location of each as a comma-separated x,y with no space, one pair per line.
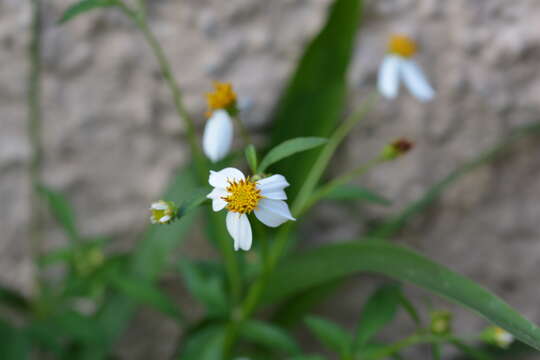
14,299
209,290
315,96
410,309
330,334
328,263
61,209
146,293
196,198
353,192
251,157
288,148
269,335
13,343
306,357
84,6
205,344
394,225
379,310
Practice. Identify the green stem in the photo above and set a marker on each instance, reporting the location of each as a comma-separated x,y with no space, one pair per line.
341,180
34,130
166,70
326,154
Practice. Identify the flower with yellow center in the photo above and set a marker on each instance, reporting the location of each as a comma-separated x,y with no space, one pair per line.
398,65
223,97
163,212
242,196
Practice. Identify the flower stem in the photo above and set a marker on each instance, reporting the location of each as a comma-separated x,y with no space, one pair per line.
34,131
140,21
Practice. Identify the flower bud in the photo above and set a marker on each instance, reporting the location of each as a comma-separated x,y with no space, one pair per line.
441,322
396,149
163,212
497,336
218,135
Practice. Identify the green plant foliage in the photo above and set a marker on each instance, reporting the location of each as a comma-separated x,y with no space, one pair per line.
327,263
288,148
84,6
353,192
270,336
13,299
62,210
379,310
315,96
330,334
205,344
207,288
251,157
13,343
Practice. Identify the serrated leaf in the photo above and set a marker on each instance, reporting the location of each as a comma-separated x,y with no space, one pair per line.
61,209
353,192
379,310
84,6
288,148
332,262
313,102
330,334
269,335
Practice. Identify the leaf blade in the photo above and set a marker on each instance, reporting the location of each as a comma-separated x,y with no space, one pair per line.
83,6
336,261
288,148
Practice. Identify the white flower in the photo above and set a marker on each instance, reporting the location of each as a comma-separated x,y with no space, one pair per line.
163,212
218,135
398,66
241,196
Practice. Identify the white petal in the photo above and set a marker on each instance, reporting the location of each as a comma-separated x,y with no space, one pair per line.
159,206
388,81
164,219
218,135
272,187
240,230
416,81
219,179
273,212
217,196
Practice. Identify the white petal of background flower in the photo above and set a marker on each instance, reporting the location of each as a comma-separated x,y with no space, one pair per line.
158,206
219,179
388,79
240,230
218,135
416,81
273,212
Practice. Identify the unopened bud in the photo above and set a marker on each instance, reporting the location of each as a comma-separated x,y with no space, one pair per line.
396,149
441,322
163,212
497,336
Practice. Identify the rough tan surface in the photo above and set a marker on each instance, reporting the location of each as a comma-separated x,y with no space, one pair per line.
112,138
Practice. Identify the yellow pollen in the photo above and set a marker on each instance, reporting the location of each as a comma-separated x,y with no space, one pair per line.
243,196
402,45
223,97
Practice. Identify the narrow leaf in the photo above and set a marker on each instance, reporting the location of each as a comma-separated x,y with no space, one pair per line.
84,6
61,209
378,311
330,334
269,335
251,157
147,294
288,148
353,192
335,261
313,102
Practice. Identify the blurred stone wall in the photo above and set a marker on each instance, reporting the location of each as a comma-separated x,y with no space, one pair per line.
112,138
